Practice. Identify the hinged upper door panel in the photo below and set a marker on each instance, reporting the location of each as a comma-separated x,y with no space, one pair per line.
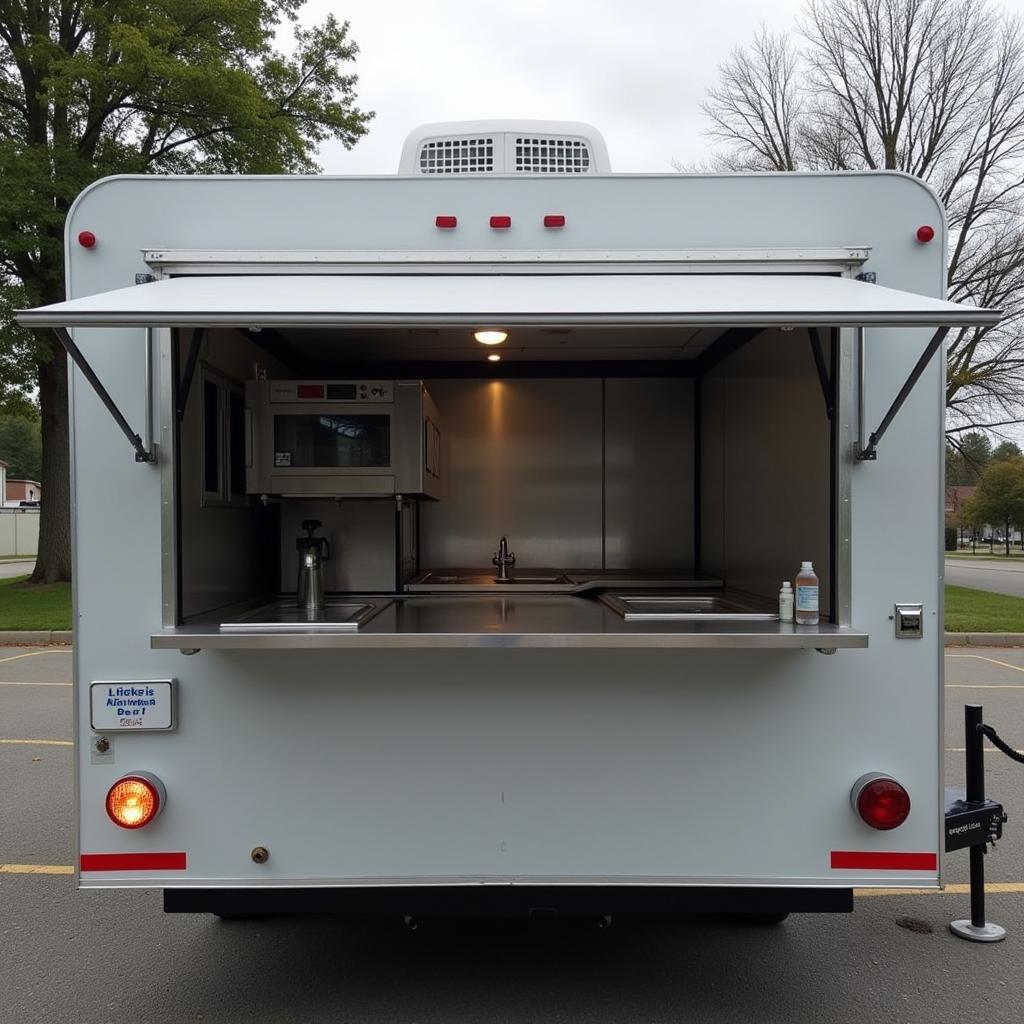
450,299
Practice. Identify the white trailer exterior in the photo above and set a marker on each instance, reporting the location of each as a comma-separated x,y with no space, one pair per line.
516,759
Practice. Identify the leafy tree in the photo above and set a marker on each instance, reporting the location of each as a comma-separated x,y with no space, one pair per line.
966,456
18,357
1007,450
934,88
96,87
999,499
21,446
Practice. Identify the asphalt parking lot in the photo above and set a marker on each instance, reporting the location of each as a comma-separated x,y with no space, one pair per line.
1005,577
98,957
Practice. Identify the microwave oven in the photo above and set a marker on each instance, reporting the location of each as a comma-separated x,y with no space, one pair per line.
338,438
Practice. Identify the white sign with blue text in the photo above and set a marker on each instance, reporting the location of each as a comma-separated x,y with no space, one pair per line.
122,706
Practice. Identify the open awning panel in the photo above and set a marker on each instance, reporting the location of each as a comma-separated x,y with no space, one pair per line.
343,300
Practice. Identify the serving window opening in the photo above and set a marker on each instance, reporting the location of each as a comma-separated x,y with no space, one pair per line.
646,480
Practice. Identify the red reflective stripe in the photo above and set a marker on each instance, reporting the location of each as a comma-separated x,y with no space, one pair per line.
133,861
885,861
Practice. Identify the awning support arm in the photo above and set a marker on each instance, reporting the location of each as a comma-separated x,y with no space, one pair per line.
869,452
142,454
190,370
823,375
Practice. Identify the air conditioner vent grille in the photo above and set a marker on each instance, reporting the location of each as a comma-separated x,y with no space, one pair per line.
537,155
457,156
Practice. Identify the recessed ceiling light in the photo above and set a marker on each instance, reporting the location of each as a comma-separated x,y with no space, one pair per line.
494,358
490,337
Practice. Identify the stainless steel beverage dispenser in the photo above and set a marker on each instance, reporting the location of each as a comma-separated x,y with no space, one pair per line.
313,552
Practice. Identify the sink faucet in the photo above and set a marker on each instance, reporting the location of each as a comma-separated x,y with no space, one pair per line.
504,560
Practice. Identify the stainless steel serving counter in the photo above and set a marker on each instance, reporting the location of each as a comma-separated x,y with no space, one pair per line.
513,620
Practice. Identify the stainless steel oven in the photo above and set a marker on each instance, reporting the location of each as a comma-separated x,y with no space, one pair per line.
367,438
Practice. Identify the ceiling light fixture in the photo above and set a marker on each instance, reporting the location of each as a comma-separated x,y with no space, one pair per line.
490,337
494,358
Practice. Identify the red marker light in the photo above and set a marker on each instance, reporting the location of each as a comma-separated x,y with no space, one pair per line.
880,801
925,233
86,239
501,221
446,222
554,220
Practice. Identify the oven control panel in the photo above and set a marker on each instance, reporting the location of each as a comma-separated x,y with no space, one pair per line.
295,391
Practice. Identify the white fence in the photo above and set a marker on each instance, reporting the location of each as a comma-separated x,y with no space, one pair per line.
19,531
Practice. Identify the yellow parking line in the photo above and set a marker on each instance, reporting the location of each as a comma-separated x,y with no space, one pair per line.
955,889
36,869
11,682
994,661
45,743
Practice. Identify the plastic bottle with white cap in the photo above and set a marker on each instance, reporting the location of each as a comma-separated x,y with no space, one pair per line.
786,602
806,595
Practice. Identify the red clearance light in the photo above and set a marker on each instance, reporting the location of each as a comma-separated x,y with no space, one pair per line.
310,391
925,233
554,220
446,222
880,801
86,239
135,800
501,221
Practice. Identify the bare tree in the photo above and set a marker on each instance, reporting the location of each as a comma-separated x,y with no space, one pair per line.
934,88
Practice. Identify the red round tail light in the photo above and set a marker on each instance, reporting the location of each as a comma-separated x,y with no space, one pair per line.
135,800
880,801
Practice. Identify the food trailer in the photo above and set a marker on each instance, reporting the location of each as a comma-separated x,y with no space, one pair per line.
429,530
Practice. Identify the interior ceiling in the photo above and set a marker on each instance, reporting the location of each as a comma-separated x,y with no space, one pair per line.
526,344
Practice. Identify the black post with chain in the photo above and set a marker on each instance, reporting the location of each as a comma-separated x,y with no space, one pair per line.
975,821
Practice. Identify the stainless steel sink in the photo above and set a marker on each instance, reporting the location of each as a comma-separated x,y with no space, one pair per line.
284,617
480,580
524,579
682,607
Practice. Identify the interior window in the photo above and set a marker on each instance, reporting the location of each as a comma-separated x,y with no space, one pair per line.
211,437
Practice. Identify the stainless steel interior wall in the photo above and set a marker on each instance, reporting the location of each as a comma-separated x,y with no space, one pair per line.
648,474
578,473
523,459
765,466
227,551
361,532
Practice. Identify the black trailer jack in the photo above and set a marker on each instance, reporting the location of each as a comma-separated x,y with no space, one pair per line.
974,822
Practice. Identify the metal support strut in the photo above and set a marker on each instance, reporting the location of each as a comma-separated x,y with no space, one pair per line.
142,453
869,453
977,929
823,375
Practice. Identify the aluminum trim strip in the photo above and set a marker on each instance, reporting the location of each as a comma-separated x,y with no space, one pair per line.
427,881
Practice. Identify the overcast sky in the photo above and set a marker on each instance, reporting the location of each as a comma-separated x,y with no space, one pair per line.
636,70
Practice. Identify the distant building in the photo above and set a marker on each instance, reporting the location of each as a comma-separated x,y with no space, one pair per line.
956,497
17,491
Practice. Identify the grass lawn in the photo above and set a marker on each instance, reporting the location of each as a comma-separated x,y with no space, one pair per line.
43,606
978,611
17,558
